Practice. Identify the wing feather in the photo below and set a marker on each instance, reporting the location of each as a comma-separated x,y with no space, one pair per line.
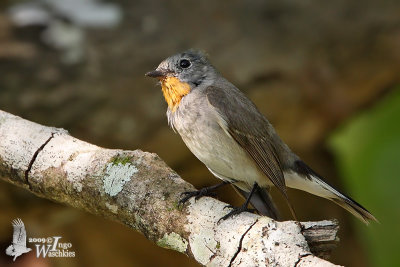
250,129
19,235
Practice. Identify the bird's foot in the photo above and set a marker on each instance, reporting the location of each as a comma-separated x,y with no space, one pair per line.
196,194
235,211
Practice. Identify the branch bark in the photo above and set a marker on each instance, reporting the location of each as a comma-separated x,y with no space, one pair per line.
138,189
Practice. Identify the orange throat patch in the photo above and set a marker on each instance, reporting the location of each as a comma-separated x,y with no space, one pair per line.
173,91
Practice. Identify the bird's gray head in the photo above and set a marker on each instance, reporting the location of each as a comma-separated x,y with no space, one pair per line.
190,67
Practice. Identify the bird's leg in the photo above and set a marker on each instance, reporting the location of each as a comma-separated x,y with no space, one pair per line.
243,208
206,191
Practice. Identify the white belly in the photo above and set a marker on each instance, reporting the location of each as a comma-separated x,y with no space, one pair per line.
220,153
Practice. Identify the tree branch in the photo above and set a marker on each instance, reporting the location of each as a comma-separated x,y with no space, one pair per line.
139,190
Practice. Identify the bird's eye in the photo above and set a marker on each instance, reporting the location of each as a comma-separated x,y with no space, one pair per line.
184,63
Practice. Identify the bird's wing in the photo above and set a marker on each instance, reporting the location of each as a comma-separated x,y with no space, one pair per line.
19,235
240,118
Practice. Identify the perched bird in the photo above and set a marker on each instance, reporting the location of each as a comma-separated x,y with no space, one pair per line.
18,246
225,130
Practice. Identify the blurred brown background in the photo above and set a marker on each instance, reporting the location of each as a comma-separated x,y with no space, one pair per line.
310,66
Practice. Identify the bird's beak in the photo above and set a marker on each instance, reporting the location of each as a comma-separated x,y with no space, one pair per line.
157,73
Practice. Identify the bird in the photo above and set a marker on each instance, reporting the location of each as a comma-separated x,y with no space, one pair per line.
225,130
18,246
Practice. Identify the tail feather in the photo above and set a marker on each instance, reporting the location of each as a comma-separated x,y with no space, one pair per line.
261,200
304,178
356,209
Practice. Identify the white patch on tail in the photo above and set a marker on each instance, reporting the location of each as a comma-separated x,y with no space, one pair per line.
312,185
316,186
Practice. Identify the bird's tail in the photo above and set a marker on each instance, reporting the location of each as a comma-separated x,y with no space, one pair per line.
261,200
304,178
9,250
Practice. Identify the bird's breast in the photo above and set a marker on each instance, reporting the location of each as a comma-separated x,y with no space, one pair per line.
206,139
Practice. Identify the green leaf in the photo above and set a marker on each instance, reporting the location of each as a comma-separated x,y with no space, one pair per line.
367,151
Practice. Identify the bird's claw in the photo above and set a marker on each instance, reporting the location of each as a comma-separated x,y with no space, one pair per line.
185,196
235,211
186,193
